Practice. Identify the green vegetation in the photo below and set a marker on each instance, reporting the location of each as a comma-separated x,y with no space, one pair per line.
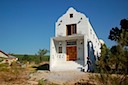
45,82
113,63
41,53
31,58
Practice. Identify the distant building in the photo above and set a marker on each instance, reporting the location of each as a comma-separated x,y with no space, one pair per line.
3,54
75,43
5,58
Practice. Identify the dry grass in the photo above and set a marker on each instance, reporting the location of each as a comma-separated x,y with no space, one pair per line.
13,75
109,79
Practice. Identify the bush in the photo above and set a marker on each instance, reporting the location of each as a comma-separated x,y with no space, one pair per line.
109,79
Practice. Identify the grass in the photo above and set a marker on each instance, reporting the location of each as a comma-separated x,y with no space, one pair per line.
10,73
31,58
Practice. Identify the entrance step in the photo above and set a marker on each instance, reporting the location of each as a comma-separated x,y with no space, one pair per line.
67,66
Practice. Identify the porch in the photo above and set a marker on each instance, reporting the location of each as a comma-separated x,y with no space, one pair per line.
69,48
67,52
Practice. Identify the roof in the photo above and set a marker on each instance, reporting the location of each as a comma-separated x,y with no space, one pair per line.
4,53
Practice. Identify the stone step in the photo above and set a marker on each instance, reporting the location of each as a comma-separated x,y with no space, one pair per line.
66,66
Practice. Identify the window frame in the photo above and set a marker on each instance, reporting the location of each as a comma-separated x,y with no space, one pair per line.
71,29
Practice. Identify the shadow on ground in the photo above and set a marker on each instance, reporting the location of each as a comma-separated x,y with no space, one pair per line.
42,67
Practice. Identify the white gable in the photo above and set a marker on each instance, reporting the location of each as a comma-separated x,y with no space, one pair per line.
77,18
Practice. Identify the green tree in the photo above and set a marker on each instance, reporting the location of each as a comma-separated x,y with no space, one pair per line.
103,61
114,34
41,53
115,60
26,58
120,35
119,57
103,66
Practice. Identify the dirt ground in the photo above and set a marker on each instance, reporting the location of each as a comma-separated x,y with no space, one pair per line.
61,78
31,77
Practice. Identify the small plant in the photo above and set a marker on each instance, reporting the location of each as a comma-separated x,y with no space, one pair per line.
45,82
42,82
4,67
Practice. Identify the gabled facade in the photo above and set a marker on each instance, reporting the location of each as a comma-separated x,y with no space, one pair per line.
75,43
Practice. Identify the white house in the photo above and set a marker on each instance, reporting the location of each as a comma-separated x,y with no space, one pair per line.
74,44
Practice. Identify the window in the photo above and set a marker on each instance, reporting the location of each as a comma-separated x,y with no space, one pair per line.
71,42
71,29
60,49
71,15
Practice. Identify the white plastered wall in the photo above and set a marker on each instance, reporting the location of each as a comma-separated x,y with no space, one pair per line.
83,28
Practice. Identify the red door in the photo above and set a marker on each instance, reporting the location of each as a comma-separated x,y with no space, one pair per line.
71,53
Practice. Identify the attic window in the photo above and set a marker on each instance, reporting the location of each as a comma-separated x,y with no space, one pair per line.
71,15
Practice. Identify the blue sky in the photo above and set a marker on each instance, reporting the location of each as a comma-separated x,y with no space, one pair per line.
27,25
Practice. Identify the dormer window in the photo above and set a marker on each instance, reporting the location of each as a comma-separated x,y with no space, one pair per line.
71,15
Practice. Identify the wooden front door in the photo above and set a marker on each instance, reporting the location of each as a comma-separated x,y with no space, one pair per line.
71,53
